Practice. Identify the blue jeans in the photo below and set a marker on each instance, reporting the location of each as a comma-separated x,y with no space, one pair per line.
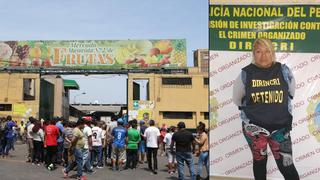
142,147
3,143
9,145
185,157
86,160
203,159
97,153
78,162
59,153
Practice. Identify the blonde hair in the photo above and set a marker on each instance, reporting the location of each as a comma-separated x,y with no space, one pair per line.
267,43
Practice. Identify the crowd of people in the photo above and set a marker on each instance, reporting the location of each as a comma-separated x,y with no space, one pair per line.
9,133
87,145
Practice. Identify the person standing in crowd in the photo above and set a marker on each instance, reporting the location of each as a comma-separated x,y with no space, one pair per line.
3,132
87,146
266,109
118,156
142,143
183,140
38,138
103,127
59,121
22,132
171,156
97,139
9,135
29,128
77,145
112,125
152,135
163,132
16,130
104,144
2,135
51,136
68,135
132,148
202,140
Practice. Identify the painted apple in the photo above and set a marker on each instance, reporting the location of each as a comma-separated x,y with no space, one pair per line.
46,63
36,62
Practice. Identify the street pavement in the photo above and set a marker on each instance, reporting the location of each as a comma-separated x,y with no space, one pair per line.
15,168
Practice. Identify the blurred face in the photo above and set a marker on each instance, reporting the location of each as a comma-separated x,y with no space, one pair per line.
146,116
263,57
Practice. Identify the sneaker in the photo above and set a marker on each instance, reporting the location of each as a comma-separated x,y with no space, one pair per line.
65,174
82,178
51,167
99,167
90,172
155,172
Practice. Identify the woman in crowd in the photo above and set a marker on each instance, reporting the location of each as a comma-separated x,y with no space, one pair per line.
38,138
202,140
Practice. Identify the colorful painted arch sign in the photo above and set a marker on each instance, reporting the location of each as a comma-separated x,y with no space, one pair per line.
94,54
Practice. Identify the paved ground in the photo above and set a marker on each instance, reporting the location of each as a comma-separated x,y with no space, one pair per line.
15,168
228,178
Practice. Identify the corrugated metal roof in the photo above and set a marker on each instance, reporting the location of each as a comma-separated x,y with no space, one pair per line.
99,108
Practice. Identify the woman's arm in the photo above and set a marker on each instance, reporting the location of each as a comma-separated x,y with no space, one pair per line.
238,90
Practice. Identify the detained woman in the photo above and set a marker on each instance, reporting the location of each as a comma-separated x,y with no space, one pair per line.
263,92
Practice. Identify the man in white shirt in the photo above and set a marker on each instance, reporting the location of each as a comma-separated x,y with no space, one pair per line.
97,138
29,127
87,146
152,135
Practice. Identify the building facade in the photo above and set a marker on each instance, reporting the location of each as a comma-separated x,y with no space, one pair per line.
171,98
55,96
19,95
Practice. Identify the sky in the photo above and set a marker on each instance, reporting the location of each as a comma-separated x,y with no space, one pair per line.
105,20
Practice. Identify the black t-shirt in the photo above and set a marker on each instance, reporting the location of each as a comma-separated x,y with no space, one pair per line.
183,140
